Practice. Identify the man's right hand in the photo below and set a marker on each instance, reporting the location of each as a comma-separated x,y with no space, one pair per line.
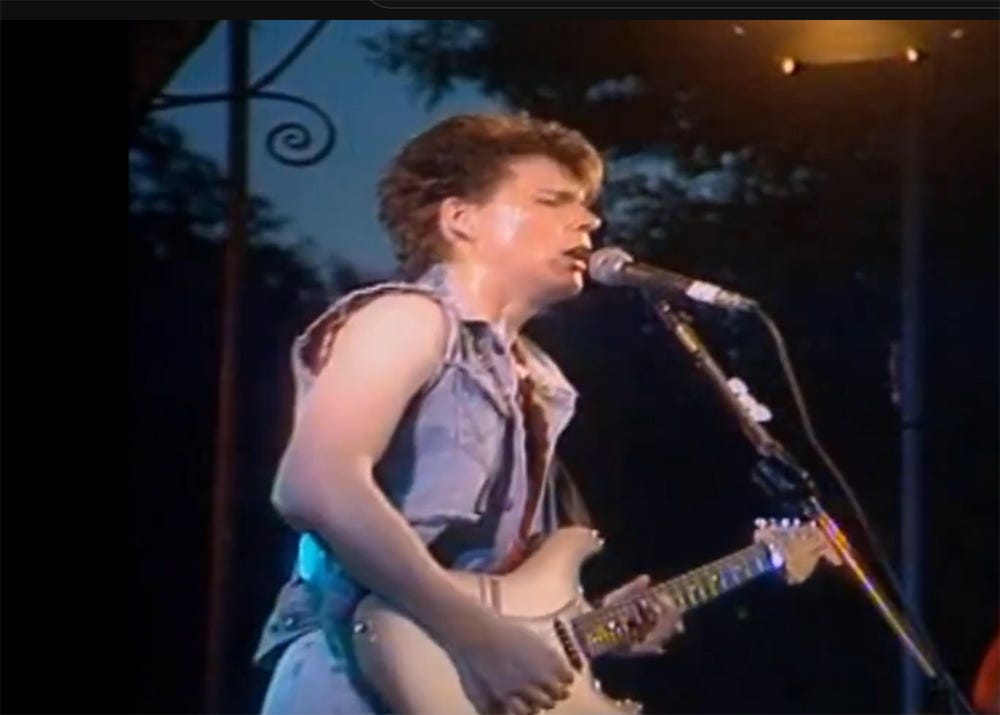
505,668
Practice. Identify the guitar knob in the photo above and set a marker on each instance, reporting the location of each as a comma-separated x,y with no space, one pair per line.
363,628
630,706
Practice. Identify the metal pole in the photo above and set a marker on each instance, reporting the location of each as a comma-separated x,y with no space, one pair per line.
911,371
226,453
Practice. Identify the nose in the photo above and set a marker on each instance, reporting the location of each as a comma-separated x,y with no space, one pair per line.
590,222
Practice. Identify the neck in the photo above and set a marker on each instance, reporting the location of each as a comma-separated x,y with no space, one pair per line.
610,627
482,297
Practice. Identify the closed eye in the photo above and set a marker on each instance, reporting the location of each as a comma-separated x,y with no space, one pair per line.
560,198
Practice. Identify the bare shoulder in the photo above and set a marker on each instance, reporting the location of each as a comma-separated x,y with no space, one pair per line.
410,319
399,335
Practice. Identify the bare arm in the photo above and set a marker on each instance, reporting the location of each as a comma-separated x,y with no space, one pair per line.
382,356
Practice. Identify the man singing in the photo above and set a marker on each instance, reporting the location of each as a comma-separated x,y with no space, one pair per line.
426,424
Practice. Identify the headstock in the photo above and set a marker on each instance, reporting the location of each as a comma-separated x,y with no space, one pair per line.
799,545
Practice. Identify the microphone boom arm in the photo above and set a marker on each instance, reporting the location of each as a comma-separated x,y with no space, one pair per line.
775,463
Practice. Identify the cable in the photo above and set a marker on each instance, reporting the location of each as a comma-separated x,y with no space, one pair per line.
874,541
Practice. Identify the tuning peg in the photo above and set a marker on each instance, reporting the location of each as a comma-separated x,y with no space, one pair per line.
784,523
759,523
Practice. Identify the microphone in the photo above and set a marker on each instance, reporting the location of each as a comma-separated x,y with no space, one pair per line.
614,267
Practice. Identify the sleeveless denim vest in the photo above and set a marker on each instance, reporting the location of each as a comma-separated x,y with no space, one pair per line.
455,467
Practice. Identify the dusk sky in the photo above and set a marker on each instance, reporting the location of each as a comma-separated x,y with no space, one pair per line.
374,113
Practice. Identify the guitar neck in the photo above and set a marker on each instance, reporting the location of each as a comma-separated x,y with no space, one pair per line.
611,627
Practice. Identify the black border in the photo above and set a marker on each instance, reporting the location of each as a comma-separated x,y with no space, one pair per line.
64,503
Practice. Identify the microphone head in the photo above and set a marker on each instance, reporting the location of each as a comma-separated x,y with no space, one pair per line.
605,265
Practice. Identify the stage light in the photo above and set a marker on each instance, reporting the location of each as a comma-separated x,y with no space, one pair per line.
789,66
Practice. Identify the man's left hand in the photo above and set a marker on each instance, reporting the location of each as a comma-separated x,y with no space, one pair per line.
660,619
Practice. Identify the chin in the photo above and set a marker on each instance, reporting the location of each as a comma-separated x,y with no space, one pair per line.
564,289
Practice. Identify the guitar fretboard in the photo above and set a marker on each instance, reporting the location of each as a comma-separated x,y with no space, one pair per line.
607,628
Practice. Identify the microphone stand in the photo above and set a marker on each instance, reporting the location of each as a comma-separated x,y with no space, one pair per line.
781,476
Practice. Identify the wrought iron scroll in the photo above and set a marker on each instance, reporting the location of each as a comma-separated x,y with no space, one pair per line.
291,143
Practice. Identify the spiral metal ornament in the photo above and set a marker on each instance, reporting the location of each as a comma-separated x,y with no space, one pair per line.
291,142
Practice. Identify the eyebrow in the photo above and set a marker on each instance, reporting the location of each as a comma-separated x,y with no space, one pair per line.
565,196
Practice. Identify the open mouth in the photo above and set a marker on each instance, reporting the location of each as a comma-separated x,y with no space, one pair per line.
580,253
579,256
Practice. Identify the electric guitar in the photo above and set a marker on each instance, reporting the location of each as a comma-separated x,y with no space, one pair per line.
414,674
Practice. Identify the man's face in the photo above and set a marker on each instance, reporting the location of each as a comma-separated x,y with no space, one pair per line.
523,232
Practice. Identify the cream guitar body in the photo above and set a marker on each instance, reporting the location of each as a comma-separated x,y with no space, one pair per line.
414,674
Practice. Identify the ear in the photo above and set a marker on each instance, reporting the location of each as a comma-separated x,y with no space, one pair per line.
456,220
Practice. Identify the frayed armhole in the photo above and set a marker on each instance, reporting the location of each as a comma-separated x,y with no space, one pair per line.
311,351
